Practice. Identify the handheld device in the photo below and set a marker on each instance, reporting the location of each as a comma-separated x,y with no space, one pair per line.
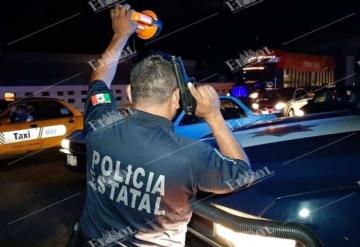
188,103
149,26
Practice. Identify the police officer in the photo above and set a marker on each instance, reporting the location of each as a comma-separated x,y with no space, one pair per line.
141,176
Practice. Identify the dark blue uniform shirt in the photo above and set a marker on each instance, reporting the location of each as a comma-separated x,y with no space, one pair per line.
142,177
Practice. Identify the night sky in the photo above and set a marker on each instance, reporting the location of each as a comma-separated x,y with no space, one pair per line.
204,30
270,22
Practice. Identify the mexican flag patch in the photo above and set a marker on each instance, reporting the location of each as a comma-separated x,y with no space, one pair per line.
100,98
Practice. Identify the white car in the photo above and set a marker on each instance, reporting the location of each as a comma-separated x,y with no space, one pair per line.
300,98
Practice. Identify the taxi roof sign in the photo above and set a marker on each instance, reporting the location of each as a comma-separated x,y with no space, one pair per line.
9,96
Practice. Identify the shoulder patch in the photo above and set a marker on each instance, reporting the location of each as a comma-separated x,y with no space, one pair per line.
100,98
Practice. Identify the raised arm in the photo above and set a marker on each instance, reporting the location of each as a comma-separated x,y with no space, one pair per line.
208,107
123,28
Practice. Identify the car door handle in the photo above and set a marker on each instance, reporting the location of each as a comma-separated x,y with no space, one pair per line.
71,120
33,125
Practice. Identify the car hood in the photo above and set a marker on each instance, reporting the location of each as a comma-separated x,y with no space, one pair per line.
311,166
296,183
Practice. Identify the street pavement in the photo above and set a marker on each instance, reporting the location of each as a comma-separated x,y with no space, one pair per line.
40,200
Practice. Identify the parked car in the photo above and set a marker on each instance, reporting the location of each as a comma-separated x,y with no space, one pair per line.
333,99
31,124
311,196
234,111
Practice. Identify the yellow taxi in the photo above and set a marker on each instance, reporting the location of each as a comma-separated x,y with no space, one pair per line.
31,124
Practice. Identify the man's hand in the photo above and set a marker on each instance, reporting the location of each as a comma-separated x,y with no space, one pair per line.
122,24
208,107
207,101
123,27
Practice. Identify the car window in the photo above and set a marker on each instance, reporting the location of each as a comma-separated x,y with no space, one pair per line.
230,110
276,94
21,112
322,97
191,119
341,96
54,109
300,94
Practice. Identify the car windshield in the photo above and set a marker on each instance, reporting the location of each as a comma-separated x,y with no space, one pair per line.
338,95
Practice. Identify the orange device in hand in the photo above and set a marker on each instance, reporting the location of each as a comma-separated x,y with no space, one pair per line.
149,25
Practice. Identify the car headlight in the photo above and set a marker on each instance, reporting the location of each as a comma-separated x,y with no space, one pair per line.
237,239
255,106
280,105
299,113
254,95
65,143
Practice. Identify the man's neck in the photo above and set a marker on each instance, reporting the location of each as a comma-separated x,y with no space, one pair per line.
153,109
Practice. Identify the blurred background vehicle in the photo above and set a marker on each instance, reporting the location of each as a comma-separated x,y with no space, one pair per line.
271,101
300,98
31,124
333,99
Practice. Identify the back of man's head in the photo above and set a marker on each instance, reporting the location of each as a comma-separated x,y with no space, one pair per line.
152,80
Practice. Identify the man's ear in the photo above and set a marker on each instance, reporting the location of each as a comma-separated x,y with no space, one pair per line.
176,98
128,93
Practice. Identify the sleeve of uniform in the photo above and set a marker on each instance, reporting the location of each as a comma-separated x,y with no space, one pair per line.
100,100
215,173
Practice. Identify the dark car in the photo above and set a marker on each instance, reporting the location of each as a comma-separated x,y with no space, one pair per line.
310,192
333,99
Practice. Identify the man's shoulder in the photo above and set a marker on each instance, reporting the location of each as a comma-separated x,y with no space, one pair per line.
111,119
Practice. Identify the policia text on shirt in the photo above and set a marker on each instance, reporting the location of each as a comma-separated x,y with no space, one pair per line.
122,184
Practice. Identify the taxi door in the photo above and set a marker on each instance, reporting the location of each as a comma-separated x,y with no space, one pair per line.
58,121
19,136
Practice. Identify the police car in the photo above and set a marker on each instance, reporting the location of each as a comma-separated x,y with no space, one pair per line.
31,124
233,110
307,192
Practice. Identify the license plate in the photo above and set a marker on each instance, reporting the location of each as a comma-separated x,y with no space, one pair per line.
71,160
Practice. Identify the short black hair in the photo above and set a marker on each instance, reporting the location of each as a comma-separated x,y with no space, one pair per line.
152,80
